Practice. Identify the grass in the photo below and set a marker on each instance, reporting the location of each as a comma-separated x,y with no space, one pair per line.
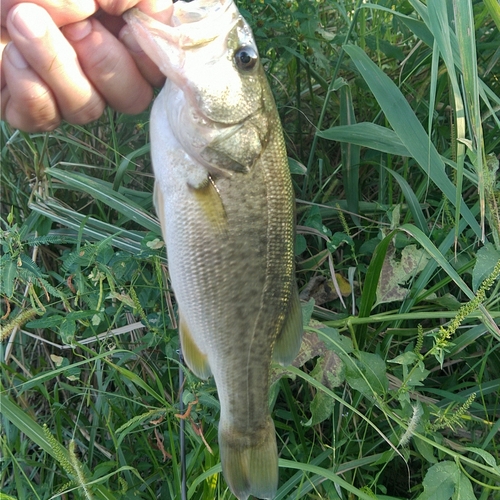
393,109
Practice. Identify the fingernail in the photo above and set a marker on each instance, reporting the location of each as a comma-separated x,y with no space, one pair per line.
30,20
128,39
15,57
77,31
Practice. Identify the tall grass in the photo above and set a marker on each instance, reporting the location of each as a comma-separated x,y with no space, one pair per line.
390,110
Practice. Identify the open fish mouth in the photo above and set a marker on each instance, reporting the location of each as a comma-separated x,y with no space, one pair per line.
192,23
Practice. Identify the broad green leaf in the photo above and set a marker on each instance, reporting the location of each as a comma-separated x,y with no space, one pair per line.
439,482
67,331
366,374
486,259
48,321
487,457
463,489
307,310
425,449
407,358
396,272
417,375
300,244
445,480
296,167
322,407
331,370
8,272
406,125
333,340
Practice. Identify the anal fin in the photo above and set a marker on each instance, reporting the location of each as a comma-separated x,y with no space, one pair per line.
196,360
289,339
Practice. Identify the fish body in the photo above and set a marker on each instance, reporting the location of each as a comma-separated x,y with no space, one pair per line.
225,201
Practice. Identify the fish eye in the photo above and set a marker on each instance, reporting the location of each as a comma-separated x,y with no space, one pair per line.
246,58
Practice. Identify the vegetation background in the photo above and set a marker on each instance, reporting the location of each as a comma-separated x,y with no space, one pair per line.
391,114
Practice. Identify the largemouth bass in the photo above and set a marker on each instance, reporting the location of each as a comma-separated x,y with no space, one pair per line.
225,201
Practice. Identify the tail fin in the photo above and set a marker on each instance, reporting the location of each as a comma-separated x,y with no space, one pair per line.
250,462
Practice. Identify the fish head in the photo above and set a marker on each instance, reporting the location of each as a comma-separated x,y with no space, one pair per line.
208,51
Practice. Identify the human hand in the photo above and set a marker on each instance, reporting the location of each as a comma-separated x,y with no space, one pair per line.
67,60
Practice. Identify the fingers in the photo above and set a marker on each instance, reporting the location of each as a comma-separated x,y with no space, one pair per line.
161,10
49,74
108,65
145,65
61,11
27,102
55,62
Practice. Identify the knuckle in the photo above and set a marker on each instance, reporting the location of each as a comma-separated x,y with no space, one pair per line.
89,112
34,111
116,7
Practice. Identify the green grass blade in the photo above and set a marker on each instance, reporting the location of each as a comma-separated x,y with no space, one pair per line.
464,21
419,28
368,135
19,417
437,256
440,27
412,201
93,229
350,155
369,293
407,127
125,164
426,275
289,464
104,192
494,9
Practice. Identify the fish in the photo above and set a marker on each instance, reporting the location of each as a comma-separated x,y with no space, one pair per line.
225,201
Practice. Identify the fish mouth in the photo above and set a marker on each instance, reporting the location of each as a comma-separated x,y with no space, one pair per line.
192,26
192,23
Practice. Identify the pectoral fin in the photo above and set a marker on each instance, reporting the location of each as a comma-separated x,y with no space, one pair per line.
210,202
288,342
195,359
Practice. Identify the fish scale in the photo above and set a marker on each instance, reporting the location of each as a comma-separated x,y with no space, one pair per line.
225,201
